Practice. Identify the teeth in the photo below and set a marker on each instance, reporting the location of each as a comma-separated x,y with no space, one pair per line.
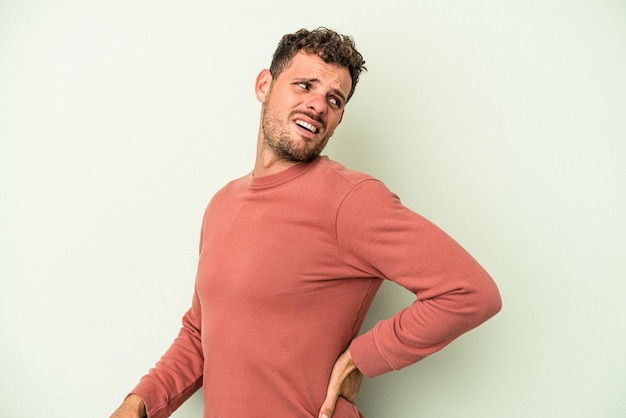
306,126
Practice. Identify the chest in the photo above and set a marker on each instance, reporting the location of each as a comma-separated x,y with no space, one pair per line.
263,250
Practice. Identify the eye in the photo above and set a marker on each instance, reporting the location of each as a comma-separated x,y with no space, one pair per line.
335,101
305,86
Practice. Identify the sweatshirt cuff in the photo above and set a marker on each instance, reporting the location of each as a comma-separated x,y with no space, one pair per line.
367,356
151,392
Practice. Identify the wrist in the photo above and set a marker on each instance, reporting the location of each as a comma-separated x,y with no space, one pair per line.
136,404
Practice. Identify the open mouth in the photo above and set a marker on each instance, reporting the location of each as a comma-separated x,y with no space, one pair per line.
306,126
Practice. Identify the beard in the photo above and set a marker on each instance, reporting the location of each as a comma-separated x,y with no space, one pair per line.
279,138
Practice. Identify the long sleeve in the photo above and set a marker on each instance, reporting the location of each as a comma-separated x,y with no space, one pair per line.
178,374
454,294
292,261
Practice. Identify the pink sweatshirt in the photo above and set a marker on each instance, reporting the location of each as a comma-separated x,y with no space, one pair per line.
289,265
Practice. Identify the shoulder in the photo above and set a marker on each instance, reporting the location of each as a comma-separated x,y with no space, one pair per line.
227,192
337,172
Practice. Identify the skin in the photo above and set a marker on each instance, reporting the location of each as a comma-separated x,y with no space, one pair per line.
308,91
345,381
315,92
132,407
312,93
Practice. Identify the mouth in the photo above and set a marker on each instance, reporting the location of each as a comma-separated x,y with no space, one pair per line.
307,126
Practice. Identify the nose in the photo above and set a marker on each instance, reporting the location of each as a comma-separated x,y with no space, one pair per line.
317,103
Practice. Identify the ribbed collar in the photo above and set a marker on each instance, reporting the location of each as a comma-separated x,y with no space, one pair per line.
285,176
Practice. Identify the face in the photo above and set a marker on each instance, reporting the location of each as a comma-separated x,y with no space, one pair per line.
302,107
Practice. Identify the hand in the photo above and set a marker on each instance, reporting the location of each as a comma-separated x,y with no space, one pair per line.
132,407
345,381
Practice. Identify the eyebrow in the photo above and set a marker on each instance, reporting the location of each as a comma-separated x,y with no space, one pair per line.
341,96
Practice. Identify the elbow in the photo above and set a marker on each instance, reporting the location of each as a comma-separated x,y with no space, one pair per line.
495,304
488,302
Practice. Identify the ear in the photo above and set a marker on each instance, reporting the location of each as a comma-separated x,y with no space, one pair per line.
262,85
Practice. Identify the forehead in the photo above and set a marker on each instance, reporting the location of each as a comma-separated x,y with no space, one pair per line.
310,66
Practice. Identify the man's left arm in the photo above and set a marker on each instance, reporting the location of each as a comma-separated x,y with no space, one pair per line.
454,294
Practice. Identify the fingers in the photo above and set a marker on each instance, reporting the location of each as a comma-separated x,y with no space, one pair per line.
345,380
332,393
351,386
328,408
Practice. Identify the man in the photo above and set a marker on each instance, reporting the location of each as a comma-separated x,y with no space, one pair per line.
291,257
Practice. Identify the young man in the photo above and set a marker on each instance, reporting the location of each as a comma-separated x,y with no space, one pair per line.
291,257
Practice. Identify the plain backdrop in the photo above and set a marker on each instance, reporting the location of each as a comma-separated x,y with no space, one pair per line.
501,121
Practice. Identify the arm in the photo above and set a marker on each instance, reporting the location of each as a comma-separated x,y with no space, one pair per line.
381,237
175,377
178,374
454,294
132,407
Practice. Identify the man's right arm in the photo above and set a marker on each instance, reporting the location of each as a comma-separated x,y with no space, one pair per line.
132,407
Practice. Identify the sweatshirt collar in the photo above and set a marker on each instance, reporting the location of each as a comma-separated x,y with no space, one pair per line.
282,177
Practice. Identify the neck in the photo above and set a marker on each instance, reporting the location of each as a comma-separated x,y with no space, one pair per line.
267,162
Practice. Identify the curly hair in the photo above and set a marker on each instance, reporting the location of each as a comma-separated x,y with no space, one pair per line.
329,45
